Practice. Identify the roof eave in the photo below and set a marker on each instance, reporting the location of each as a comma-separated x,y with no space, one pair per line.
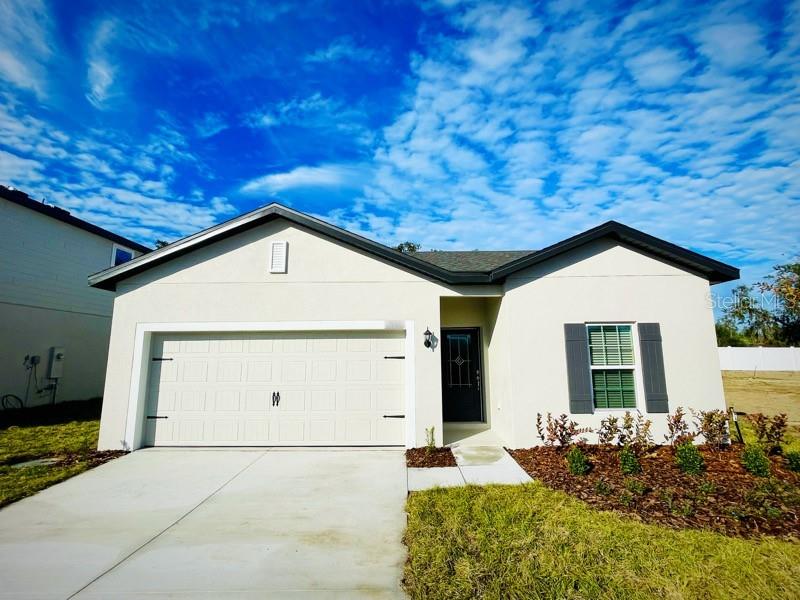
708,268
108,278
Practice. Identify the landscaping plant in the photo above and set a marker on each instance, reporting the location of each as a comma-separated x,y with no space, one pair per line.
430,439
713,426
678,430
628,462
793,461
770,431
561,430
755,460
577,462
609,430
689,459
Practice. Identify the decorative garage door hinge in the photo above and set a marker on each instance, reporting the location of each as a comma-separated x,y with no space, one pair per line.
156,417
394,416
160,359
394,357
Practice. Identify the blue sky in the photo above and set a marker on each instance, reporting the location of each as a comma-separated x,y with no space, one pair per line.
459,125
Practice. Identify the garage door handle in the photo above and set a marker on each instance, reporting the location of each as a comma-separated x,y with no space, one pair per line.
394,416
276,398
160,359
155,417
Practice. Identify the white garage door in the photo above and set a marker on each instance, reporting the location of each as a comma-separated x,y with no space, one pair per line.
276,389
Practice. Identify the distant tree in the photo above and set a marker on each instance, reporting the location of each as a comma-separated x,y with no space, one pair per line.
408,247
772,320
729,335
161,244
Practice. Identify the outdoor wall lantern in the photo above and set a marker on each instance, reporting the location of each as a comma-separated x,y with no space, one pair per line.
428,338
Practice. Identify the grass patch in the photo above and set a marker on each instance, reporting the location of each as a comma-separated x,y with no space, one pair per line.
527,541
73,444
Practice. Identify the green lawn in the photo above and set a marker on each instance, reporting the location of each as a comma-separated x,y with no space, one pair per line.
74,443
532,542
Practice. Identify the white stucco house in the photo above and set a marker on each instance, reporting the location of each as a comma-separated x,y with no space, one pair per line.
54,329
276,328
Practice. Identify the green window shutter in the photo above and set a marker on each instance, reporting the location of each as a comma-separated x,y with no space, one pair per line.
655,381
578,373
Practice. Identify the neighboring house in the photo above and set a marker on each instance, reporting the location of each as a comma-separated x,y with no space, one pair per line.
46,308
276,328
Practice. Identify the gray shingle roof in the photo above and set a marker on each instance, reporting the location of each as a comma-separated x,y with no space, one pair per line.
481,261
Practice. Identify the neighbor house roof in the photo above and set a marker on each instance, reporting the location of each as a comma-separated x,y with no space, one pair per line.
453,270
60,214
470,260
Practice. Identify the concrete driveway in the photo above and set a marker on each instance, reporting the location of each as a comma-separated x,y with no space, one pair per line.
213,524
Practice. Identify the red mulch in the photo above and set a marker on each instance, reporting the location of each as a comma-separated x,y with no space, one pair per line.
725,498
433,457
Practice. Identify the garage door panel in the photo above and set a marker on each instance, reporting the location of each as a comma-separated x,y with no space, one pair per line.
323,400
259,371
218,389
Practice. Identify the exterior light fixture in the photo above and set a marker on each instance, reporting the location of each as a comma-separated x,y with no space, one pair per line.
428,335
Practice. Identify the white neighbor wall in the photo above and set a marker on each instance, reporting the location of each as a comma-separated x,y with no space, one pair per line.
45,301
229,281
759,359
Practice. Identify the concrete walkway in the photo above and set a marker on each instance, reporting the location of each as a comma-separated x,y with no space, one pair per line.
476,465
213,524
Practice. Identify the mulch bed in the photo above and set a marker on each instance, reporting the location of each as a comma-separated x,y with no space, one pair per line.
430,457
725,498
95,458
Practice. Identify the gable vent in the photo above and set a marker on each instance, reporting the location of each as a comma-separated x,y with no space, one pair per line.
277,262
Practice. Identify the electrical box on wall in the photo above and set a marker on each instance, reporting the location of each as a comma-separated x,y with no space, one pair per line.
56,369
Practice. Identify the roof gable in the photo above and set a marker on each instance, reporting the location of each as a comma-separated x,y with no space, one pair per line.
447,267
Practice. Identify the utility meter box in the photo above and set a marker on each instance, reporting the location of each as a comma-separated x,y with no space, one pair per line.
56,369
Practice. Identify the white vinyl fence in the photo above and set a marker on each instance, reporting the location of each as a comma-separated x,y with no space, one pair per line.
759,359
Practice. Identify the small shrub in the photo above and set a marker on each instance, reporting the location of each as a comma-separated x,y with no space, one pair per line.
635,487
689,459
685,509
628,463
793,461
667,496
770,431
706,488
626,498
713,426
602,487
678,430
430,439
577,462
609,430
755,461
561,430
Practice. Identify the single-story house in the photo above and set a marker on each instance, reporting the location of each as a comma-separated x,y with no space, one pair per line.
277,328
54,329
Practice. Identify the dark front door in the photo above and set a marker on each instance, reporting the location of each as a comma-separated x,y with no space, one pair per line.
462,397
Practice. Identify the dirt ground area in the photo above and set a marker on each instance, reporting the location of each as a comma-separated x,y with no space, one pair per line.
768,392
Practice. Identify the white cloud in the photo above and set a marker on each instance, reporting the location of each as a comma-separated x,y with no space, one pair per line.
15,169
101,71
658,68
210,125
345,48
25,45
732,45
540,133
322,176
